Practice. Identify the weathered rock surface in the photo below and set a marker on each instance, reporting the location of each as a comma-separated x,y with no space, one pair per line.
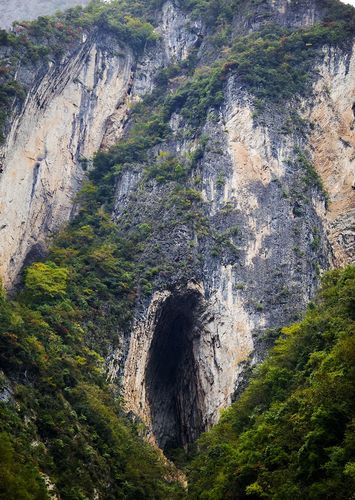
285,235
77,107
332,143
62,124
266,272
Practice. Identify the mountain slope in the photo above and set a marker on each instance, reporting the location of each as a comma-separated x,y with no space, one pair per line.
17,10
197,231
291,434
63,433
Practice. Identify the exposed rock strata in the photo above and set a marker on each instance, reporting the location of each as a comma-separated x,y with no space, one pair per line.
332,143
266,277
78,107
62,124
285,237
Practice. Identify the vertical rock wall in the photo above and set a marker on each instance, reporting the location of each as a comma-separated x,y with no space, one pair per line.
62,124
279,230
332,144
78,107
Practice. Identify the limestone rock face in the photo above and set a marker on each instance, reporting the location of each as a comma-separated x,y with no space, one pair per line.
179,33
332,144
283,236
76,108
62,124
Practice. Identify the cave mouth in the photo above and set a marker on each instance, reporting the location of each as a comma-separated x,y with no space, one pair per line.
172,381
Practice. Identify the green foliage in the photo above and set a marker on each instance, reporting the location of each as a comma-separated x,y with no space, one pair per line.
18,481
214,12
276,64
291,434
193,99
149,129
62,418
46,280
167,168
117,17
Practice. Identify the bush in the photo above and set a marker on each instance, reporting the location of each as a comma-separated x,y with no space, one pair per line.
46,280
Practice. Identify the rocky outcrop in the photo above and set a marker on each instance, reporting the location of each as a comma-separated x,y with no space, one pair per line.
179,33
78,107
332,142
282,231
260,277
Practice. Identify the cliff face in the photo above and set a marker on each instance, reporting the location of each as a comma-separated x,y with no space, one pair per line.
332,143
62,124
280,234
250,261
78,106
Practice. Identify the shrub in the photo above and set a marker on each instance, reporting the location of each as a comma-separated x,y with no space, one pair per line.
47,280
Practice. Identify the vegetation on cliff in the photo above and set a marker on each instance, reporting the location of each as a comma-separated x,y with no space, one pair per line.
291,433
59,418
32,45
273,62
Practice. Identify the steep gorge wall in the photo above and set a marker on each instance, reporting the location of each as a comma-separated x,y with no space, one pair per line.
332,143
285,235
77,107
62,123
276,232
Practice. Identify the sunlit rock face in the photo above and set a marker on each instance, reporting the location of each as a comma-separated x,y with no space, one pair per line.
77,107
332,143
280,237
25,10
62,124
183,361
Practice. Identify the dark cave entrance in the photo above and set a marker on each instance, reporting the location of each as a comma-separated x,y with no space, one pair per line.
172,383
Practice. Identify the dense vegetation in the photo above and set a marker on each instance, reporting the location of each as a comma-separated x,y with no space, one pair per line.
291,434
58,416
